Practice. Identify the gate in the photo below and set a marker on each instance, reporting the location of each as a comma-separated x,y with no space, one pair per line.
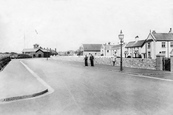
166,64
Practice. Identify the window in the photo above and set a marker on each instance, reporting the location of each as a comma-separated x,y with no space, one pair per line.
108,51
163,44
171,44
163,52
149,54
149,45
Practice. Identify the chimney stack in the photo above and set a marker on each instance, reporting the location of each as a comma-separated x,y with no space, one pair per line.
154,32
170,31
136,38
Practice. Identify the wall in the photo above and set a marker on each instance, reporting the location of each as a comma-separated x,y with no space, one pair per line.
127,62
93,53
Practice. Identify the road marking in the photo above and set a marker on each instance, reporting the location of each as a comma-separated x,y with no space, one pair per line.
50,89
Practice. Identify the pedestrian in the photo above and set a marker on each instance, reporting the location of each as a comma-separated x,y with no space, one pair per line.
92,60
114,59
86,60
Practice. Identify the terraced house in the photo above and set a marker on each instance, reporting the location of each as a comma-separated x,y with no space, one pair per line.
159,43
135,49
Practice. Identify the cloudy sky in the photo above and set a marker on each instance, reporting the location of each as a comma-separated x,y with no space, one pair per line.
66,24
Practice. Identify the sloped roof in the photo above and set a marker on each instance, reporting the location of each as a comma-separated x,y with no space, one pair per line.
139,43
92,47
45,50
115,47
163,36
130,44
35,50
30,50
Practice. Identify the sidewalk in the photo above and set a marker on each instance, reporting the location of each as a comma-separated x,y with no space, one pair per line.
17,83
138,71
128,70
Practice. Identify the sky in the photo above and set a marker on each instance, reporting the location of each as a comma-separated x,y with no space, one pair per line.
67,24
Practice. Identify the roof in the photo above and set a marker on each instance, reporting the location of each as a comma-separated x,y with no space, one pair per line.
92,47
44,50
130,44
30,50
34,50
163,36
139,43
114,47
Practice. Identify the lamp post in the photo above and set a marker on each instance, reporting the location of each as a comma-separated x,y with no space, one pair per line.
121,37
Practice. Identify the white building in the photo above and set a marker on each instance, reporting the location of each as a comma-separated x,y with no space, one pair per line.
159,43
135,48
109,50
94,49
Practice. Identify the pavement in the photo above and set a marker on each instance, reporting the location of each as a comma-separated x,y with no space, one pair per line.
16,82
133,71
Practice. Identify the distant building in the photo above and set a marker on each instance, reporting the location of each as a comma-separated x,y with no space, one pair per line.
37,51
111,49
94,49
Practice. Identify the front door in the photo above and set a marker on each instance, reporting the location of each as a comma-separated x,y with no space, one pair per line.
166,64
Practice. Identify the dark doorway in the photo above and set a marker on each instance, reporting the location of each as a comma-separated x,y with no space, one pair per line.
166,64
39,55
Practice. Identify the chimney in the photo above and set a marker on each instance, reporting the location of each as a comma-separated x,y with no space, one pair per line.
136,38
170,31
154,32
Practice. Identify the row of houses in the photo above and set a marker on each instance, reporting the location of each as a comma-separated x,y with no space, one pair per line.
38,51
154,44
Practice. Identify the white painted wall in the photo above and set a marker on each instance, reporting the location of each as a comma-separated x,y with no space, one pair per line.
93,53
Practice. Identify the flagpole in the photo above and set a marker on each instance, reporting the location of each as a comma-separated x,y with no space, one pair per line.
24,43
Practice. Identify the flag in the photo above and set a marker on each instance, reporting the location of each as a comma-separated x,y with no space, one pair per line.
36,32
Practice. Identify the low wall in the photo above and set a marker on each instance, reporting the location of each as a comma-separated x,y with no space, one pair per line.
4,61
127,62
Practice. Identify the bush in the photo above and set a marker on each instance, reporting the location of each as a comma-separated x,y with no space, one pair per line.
21,56
4,61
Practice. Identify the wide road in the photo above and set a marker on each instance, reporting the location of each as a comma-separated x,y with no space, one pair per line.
80,90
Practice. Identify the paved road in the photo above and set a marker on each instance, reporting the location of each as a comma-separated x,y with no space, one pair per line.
80,90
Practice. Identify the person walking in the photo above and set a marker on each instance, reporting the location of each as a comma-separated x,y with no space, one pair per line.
92,60
86,60
114,59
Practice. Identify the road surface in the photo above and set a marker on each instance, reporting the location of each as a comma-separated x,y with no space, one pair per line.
80,90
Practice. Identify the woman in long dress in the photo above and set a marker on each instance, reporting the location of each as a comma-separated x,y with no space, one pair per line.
92,60
86,60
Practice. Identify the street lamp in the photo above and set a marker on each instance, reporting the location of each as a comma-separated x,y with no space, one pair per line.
121,37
